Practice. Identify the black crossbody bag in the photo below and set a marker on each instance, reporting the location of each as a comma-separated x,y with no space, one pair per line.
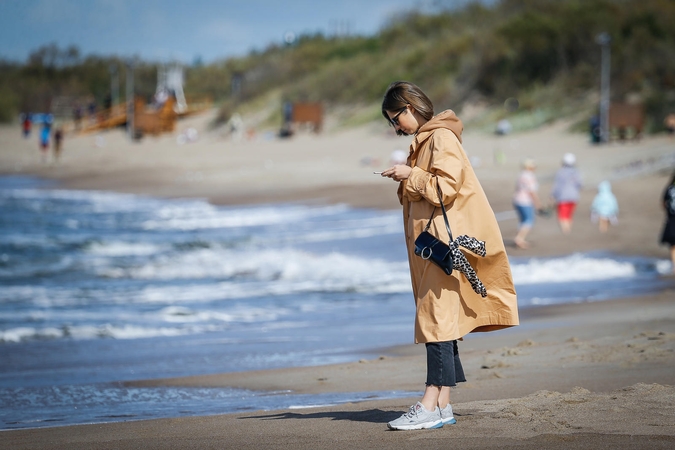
429,247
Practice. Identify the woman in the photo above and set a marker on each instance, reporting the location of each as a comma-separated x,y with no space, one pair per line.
566,189
668,235
525,200
447,306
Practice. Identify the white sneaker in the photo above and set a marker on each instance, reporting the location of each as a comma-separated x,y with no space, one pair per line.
418,418
446,415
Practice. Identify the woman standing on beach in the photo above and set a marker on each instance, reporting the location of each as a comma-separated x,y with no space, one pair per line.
447,306
525,200
668,235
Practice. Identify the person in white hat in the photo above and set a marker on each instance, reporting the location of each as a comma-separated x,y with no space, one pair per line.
566,191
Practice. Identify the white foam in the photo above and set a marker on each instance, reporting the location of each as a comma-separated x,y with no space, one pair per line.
88,201
174,314
130,332
236,274
576,267
119,248
391,226
337,271
95,332
23,333
204,216
664,267
280,268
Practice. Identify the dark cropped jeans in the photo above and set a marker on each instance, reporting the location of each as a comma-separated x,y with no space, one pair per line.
443,365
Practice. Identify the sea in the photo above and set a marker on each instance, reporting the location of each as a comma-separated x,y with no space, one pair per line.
99,288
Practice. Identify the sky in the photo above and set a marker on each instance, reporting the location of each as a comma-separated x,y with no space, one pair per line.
173,30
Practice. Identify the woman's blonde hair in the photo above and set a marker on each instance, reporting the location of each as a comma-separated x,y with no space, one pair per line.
528,163
400,94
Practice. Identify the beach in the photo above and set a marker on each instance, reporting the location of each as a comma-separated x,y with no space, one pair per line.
582,375
593,375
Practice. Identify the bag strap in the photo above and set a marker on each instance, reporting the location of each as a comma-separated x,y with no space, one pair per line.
445,216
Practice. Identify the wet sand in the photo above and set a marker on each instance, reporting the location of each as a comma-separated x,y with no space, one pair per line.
589,375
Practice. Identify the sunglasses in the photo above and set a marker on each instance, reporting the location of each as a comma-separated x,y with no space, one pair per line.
394,120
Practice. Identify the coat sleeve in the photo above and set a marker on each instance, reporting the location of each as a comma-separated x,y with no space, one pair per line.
447,165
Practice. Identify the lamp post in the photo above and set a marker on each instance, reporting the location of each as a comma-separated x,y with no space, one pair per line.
114,86
604,40
130,99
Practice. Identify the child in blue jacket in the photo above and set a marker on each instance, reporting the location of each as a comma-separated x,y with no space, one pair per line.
604,208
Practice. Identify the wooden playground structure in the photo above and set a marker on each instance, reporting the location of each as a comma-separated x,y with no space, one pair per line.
140,118
146,119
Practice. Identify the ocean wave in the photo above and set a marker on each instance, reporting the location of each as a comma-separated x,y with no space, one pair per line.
291,264
80,201
576,267
120,248
20,334
285,264
198,216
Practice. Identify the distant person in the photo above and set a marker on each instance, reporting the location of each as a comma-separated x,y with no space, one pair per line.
605,207
596,133
77,115
286,131
448,307
236,127
91,109
668,235
27,124
288,112
58,142
525,200
45,133
107,106
566,191
669,123
503,127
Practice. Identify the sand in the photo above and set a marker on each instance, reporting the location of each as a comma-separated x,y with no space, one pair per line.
587,375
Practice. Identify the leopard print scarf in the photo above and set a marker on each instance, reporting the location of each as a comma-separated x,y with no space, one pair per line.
460,263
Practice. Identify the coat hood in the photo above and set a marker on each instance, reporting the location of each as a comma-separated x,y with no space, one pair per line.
604,188
605,203
446,119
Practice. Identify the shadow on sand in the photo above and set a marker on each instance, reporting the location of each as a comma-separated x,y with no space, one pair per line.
371,415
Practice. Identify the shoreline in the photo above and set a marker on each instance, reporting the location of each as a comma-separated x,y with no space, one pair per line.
542,325
636,235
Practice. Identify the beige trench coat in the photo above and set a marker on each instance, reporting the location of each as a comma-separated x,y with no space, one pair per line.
447,306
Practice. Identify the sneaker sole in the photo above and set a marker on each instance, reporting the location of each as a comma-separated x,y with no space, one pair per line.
450,421
421,426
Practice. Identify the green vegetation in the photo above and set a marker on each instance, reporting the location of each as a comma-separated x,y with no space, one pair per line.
542,52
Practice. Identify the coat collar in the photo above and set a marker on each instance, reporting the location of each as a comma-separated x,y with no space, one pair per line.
446,119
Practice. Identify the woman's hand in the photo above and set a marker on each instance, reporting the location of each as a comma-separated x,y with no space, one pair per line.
399,172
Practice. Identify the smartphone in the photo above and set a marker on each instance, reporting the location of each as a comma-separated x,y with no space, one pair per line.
377,173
